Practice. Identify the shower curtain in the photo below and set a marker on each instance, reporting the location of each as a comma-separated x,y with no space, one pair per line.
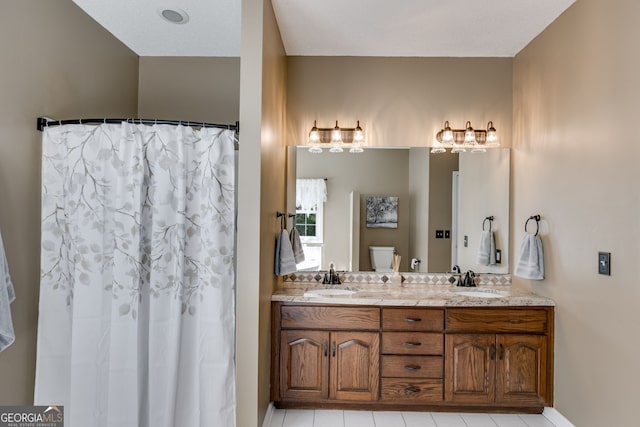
136,320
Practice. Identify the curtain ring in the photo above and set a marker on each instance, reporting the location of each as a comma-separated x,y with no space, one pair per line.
537,219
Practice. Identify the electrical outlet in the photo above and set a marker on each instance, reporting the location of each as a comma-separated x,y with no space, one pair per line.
447,234
604,263
465,241
498,256
439,234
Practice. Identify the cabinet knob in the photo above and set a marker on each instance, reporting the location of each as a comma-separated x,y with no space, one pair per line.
412,319
412,367
412,390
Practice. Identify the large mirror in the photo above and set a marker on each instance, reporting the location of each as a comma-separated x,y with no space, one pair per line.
435,208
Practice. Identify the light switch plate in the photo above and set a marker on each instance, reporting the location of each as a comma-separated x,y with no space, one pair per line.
604,263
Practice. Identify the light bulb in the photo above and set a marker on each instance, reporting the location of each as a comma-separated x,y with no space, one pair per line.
358,134
447,133
492,136
469,135
314,135
314,140
336,134
336,140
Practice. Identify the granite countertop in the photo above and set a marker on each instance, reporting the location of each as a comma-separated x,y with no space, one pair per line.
418,295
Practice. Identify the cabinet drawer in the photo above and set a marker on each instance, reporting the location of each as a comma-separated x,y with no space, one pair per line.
412,366
503,320
412,319
412,343
406,390
334,318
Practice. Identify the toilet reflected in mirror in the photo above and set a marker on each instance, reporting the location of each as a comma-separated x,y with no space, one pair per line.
381,258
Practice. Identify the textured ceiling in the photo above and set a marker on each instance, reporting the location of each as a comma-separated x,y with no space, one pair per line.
458,28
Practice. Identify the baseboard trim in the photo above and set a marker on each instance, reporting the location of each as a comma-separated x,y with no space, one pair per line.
269,415
556,417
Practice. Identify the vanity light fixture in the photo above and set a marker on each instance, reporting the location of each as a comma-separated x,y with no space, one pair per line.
459,140
336,138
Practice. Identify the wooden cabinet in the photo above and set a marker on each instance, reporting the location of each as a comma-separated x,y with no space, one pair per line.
332,364
305,365
412,355
404,358
510,368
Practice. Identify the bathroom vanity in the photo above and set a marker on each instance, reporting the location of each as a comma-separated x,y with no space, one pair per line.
417,347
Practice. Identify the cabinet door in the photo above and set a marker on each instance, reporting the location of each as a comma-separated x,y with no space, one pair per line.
355,365
521,368
470,368
304,364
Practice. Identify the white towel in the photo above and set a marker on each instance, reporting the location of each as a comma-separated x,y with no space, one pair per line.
7,295
531,260
487,249
296,245
285,261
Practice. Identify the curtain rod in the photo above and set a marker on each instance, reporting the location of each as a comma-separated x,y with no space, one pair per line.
44,121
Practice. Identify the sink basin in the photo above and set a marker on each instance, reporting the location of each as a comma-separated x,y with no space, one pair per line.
329,292
478,294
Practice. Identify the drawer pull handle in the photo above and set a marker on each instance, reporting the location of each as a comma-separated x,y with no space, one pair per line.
501,352
412,319
333,353
492,352
412,390
325,347
412,344
412,367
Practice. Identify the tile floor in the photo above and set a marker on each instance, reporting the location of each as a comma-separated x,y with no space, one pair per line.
325,418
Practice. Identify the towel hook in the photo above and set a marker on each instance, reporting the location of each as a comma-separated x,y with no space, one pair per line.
537,219
490,219
283,221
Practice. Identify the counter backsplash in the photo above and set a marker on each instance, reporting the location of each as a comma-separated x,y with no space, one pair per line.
407,278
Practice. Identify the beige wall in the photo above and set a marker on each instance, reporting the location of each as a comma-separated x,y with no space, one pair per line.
575,162
261,193
399,101
188,88
56,62
273,186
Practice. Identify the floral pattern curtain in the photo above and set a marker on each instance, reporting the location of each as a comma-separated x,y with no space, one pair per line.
136,321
